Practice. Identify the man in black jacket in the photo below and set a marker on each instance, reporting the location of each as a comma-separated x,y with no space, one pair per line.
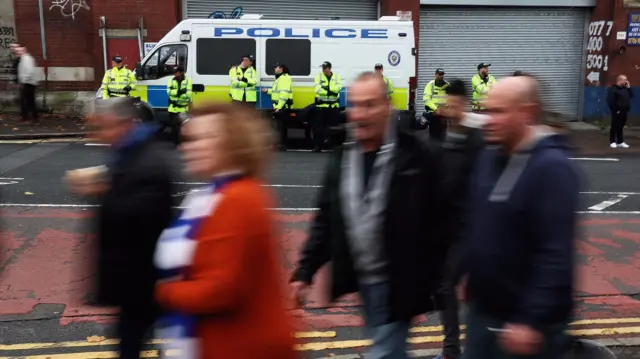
135,208
378,221
462,144
619,100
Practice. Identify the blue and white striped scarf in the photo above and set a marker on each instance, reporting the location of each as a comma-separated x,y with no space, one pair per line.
174,253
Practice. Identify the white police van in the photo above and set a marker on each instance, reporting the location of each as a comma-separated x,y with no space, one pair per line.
208,48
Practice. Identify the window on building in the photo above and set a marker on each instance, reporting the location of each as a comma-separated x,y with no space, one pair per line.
217,56
295,53
164,60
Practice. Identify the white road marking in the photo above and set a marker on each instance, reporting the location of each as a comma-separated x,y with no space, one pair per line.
11,178
97,144
616,193
608,212
420,353
595,159
608,203
265,185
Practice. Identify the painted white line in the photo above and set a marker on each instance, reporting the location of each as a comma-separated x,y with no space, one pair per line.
608,212
48,205
11,178
608,203
97,144
419,353
616,193
265,185
595,159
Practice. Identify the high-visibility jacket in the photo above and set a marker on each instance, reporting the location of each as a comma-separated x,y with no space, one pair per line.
280,92
480,90
323,98
389,85
243,84
179,102
115,81
434,95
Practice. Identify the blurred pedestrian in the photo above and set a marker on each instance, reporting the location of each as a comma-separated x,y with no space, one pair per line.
27,82
223,245
462,145
619,100
378,221
135,207
519,254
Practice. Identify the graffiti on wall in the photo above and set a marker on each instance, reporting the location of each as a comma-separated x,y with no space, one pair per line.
235,14
596,61
69,8
8,36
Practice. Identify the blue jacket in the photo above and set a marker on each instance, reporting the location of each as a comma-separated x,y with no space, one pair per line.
519,254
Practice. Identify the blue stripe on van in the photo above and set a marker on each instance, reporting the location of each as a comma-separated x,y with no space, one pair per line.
157,97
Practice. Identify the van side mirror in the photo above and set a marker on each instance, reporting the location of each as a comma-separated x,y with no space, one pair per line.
139,71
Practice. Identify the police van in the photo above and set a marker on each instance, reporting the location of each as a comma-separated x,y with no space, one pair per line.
208,48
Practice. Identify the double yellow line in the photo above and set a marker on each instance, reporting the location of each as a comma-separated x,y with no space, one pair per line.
609,330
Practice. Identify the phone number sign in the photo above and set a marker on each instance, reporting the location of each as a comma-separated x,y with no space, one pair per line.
633,29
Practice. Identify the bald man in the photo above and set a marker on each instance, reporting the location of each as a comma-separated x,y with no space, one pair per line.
519,253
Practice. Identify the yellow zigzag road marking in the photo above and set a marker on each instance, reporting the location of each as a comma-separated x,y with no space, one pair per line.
308,335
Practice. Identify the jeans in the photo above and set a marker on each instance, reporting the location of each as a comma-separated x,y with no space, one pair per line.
389,339
482,342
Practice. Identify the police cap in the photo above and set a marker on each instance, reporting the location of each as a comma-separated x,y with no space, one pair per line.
378,66
326,65
117,59
483,65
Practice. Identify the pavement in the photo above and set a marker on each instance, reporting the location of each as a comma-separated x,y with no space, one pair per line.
48,126
46,256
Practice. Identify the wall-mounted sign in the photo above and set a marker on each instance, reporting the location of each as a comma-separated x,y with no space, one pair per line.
621,35
404,15
632,3
633,29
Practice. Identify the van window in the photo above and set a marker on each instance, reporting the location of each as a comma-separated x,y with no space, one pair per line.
217,56
295,53
164,60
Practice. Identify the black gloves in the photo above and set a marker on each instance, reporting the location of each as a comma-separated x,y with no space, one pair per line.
330,93
244,79
486,79
127,88
182,91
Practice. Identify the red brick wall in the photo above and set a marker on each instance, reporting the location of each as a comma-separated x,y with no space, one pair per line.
75,42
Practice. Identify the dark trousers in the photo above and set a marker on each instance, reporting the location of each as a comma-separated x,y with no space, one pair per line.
28,102
448,304
482,342
323,120
134,323
174,124
282,119
618,121
437,126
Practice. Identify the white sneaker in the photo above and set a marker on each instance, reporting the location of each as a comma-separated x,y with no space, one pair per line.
623,145
613,145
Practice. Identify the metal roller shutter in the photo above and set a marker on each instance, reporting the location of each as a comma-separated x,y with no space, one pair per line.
287,9
547,43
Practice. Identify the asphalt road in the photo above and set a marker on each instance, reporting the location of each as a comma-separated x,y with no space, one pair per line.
45,274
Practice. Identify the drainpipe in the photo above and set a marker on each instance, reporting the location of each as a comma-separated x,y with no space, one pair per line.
44,55
140,38
103,27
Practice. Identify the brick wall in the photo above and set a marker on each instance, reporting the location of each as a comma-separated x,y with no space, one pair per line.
73,41
603,57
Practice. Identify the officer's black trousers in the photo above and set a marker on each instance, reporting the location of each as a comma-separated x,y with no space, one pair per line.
437,126
174,124
282,119
324,119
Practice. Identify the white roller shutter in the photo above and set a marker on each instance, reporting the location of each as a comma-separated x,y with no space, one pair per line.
287,9
547,43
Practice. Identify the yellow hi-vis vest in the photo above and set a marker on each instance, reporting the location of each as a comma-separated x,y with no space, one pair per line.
115,80
389,86
242,90
335,85
434,95
480,90
179,103
281,92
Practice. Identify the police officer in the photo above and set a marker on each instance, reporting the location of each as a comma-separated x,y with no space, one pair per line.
328,86
180,92
481,83
379,69
282,99
119,81
243,82
435,97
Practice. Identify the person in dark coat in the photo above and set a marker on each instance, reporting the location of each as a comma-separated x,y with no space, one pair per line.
619,101
379,220
135,207
463,142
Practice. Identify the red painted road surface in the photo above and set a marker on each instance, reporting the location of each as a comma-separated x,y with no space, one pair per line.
46,254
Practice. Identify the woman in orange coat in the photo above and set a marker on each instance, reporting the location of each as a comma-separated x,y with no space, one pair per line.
231,284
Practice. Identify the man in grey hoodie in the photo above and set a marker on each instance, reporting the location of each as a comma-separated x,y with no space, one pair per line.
27,81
